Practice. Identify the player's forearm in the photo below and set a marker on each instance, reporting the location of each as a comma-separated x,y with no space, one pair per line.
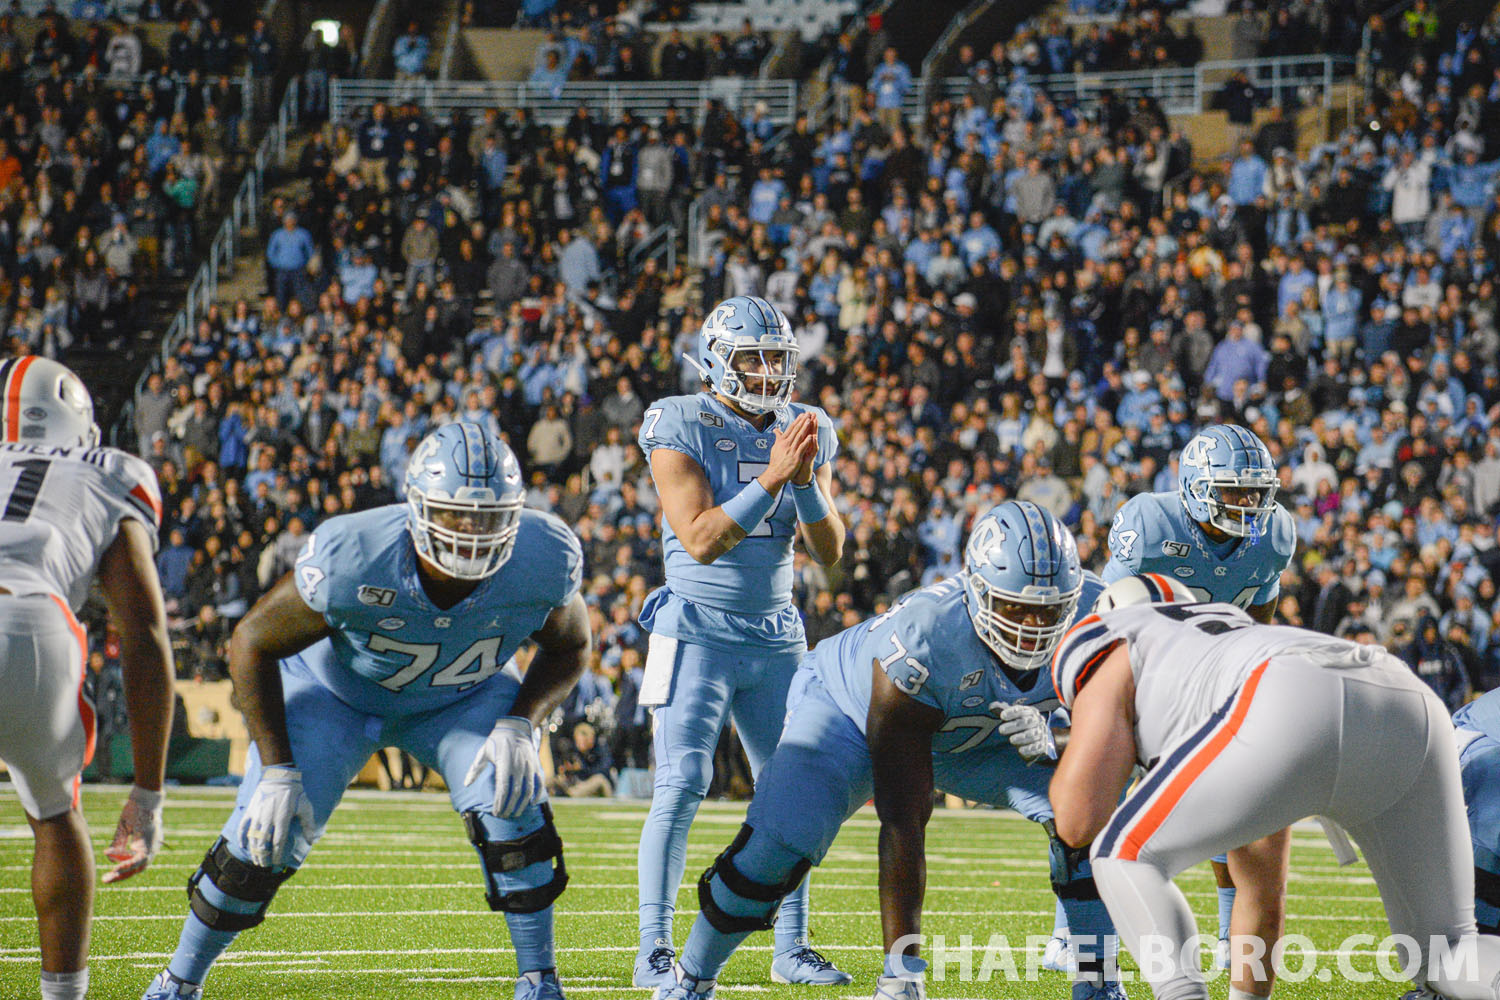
903,880
257,685
711,534
148,699
825,539
552,674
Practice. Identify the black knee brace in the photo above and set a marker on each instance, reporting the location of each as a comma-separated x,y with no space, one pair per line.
723,867
235,878
1487,890
1072,878
506,856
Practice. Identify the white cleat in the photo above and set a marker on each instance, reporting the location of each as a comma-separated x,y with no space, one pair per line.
1058,955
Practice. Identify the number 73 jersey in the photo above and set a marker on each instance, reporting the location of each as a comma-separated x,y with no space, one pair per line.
1152,533
392,651
927,646
60,508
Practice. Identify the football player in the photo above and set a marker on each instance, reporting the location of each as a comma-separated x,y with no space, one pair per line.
1477,727
1223,536
394,628
945,690
1247,728
742,471
73,511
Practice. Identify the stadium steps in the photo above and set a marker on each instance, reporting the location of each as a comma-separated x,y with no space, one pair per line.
504,54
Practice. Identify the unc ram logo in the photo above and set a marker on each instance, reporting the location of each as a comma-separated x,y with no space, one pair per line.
721,315
1196,452
985,545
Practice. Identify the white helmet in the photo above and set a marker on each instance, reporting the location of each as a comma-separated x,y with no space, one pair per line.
45,403
1148,588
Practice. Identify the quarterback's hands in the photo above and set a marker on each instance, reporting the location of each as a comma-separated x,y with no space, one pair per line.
1027,730
137,837
792,454
518,769
266,829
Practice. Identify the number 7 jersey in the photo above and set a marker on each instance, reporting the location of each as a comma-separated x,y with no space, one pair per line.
60,508
1152,533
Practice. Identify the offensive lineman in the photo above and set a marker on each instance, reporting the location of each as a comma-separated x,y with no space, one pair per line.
1245,729
1477,729
393,628
1222,536
943,691
725,635
74,511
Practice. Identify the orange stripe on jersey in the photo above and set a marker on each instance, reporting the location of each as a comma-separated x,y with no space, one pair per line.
13,399
85,707
1094,662
1057,653
144,496
1151,821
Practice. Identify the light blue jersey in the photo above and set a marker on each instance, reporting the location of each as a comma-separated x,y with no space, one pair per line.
927,646
1152,533
745,596
392,651
1477,729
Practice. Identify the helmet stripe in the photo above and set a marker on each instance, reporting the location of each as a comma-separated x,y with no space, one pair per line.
13,381
1163,585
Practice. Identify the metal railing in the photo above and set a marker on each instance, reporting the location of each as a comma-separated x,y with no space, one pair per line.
243,212
450,46
1185,90
659,242
649,100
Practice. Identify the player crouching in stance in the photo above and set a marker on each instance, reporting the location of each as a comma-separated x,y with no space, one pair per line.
1477,730
393,628
72,511
942,691
1246,729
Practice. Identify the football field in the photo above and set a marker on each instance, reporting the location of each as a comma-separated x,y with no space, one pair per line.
390,905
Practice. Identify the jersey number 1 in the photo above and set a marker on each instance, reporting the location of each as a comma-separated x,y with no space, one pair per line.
28,487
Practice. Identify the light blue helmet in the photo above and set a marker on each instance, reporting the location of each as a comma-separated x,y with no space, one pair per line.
1227,456
1022,579
743,341
463,500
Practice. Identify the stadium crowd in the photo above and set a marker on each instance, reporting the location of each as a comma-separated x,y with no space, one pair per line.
1016,299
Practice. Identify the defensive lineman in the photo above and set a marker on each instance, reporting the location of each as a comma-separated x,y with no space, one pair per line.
73,511
944,691
725,635
1222,536
1247,728
392,629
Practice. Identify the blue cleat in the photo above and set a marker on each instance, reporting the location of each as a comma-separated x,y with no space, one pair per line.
685,987
654,968
805,966
539,985
1099,991
168,987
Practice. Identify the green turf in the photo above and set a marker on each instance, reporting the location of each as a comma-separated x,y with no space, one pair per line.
390,905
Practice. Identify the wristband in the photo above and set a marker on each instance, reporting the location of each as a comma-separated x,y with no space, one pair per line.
812,505
750,506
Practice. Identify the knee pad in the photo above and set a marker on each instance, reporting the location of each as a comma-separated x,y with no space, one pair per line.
1072,876
504,857
1487,900
237,879
693,772
723,868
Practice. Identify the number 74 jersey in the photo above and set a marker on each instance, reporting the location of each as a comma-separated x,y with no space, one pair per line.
60,508
1152,533
392,651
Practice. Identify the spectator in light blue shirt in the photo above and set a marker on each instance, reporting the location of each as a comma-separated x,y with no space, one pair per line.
1296,278
1469,181
1341,307
890,84
1233,359
976,242
358,277
288,252
765,195
410,53
577,262
1247,175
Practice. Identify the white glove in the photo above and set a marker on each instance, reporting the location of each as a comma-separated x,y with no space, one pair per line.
1027,730
899,988
137,837
266,829
518,769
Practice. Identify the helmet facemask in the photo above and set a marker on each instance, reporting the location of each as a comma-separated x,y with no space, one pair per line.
1248,517
1023,629
758,379
468,537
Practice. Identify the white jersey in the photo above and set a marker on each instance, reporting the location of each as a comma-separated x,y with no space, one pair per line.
1188,661
60,508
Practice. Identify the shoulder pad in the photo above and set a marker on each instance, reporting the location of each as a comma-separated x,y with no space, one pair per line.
135,479
554,556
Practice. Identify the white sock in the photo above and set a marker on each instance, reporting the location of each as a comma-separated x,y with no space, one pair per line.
65,985
1235,994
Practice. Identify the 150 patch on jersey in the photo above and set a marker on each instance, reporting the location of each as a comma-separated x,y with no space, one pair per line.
380,597
1177,549
710,419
